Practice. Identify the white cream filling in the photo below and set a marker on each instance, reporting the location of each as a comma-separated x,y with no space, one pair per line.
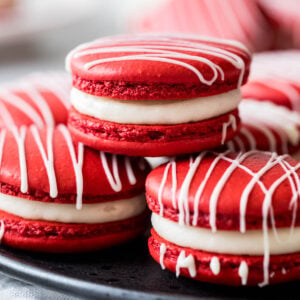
227,242
67,213
165,112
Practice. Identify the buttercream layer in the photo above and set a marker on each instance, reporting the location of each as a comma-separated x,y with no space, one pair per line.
156,111
67,213
227,242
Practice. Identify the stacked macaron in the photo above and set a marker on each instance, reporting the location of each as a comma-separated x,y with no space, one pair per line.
270,110
156,95
57,195
227,218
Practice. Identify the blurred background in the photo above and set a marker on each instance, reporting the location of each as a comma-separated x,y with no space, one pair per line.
36,35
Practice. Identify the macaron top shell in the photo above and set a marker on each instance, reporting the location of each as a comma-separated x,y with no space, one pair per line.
221,191
44,164
39,98
164,59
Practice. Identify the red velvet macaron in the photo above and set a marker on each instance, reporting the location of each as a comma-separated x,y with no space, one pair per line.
286,18
268,127
60,196
244,21
38,98
227,218
275,77
156,95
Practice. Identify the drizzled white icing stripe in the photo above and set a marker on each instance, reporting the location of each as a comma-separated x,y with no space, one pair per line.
77,164
231,122
48,161
2,230
183,204
188,262
162,252
129,171
215,265
243,272
114,179
162,49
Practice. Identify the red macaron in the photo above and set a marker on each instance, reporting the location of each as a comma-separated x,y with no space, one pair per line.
268,127
38,98
156,95
244,21
286,17
60,196
227,218
275,77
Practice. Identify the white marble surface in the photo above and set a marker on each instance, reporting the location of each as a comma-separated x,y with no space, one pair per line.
47,52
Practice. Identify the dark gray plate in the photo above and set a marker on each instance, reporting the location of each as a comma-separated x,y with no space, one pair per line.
125,272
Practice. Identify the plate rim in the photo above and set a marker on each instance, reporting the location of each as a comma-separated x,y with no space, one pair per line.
19,269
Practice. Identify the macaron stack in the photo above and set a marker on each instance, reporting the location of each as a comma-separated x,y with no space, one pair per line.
231,216
225,210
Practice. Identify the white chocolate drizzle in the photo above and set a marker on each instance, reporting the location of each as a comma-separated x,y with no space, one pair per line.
188,262
183,204
243,272
215,265
231,122
77,164
162,252
2,230
164,49
48,161
129,171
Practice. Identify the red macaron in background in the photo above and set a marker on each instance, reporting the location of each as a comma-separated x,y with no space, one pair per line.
268,127
286,17
270,110
38,98
156,95
59,196
244,21
275,77
227,218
